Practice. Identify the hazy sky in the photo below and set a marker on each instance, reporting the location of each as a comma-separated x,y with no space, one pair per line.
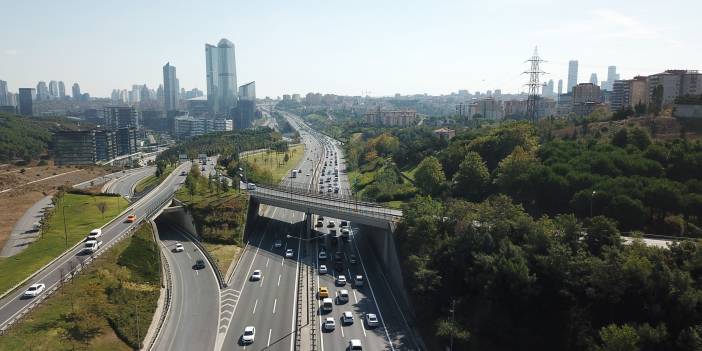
343,47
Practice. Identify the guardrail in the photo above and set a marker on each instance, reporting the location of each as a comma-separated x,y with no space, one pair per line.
210,259
166,275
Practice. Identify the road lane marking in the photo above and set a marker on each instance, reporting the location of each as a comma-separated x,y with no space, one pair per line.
255,304
354,296
262,277
267,260
268,344
275,302
279,279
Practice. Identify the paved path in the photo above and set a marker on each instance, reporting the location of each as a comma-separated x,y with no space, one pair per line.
23,233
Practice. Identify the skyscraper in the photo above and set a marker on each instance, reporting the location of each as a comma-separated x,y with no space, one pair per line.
170,90
572,74
611,77
593,79
76,91
25,101
53,90
42,91
62,90
3,93
560,86
221,76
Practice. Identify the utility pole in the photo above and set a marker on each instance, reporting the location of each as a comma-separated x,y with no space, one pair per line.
453,320
65,230
534,73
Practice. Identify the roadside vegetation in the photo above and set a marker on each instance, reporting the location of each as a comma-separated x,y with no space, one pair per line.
163,169
82,214
109,306
226,144
272,165
219,212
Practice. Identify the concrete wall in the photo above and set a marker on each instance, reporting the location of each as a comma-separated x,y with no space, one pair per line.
182,218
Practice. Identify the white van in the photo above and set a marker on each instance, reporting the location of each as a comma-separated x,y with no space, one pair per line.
327,304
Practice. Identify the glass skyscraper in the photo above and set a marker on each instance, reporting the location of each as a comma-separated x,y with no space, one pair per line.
221,77
170,87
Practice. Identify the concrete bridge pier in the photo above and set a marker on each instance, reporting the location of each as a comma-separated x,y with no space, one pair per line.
251,215
308,224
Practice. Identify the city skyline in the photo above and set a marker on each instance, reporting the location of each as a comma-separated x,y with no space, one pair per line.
345,50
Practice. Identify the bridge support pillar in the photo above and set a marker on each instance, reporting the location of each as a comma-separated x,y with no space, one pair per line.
308,224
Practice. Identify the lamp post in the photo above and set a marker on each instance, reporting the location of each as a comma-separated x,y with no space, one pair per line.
65,229
591,199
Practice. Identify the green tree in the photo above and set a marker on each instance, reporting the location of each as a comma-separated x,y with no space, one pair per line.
429,176
663,196
619,338
601,232
472,177
656,100
639,138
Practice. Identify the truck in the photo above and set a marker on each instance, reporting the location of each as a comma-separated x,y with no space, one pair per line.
91,246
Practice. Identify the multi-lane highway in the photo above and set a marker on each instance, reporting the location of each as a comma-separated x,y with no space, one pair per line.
125,184
13,305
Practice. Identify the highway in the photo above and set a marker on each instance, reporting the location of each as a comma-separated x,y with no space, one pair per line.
125,184
192,319
12,305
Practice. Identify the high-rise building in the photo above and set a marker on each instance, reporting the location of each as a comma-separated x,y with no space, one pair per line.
3,93
572,74
220,65
170,88
547,89
593,79
248,91
586,92
105,145
42,91
121,117
74,147
25,101
560,86
53,90
126,141
629,93
675,83
62,90
76,91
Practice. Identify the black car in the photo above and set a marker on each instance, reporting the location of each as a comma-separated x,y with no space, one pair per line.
199,264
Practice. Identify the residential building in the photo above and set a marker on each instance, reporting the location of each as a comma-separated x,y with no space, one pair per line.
197,106
126,141
629,93
8,109
74,147
675,83
62,90
572,75
188,127
445,133
565,104
105,145
593,79
586,92
121,117
221,77
488,108
170,88
42,91
3,93
391,117
223,125
76,91
53,90
25,101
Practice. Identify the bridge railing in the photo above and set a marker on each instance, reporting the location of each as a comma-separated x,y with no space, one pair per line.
331,203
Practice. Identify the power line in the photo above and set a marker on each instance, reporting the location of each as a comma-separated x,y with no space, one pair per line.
534,73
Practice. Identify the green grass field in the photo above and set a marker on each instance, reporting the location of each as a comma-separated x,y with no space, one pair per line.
275,163
152,180
96,310
82,215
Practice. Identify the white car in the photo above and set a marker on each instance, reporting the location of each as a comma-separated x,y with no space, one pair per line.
34,290
322,269
289,253
256,275
342,296
322,255
329,323
355,345
347,317
94,234
341,280
278,244
372,320
179,247
249,335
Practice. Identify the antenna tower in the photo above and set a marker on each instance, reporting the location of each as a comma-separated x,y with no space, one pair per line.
534,73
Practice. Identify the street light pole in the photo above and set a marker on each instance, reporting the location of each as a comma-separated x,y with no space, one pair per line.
65,230
591,200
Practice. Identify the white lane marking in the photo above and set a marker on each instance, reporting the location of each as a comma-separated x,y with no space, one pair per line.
279,275
262,277
319,303
268,344
294,308
341,326
267,260
275,302
197,272
255,304
354,296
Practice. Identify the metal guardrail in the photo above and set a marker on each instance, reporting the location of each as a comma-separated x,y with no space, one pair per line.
208,257
166,276
296,189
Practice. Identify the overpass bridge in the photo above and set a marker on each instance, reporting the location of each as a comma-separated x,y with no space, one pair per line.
330,205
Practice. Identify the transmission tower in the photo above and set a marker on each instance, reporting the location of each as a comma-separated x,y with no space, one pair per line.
534,74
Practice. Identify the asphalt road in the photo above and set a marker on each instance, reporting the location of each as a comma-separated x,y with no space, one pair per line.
12,305
125,184
193,316
23,233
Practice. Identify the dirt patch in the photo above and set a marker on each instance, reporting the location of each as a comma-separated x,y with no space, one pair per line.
24,194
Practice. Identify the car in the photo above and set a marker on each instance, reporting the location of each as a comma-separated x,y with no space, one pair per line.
256,275
322,269
179,247
182,173
329,324
331,224
34,290
320,223
322,255
278,244
358,280
307,174
353,259
371,320
347,317
249,335
329,189
251,186
355,345
320,218
199,263
323,292
131,218
341,280
289,253
342,296
94,234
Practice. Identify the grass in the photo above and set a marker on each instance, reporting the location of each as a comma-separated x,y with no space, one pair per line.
274,163
152,180
410,173
224,254
96,310
394,204
82,215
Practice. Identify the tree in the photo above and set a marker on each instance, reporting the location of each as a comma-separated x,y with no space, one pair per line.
663,196
639,138
601,232
619,338
429,176
102,207
286,158
452,330
472,177
620,138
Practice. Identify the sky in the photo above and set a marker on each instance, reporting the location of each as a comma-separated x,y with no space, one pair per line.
378,47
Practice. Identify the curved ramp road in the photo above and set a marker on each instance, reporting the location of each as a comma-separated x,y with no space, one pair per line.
125,185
